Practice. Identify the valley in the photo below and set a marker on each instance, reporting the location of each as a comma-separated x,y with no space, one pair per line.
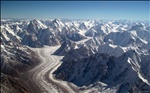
75,56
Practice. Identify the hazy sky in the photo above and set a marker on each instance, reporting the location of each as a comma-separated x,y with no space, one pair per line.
132,10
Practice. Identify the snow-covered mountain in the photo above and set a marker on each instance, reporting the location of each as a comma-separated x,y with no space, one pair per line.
113,57
66,46
15,60
122,74
141,32
124,39
101,55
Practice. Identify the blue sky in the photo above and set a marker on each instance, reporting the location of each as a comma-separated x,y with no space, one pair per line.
131,10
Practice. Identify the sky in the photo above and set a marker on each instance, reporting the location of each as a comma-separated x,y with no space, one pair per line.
107,10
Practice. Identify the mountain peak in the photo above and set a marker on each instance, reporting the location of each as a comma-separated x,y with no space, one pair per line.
138,27
57,23
35,25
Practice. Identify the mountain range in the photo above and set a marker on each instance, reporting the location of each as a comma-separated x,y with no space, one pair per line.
106,56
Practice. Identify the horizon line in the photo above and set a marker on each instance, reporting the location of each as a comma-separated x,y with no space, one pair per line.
78,19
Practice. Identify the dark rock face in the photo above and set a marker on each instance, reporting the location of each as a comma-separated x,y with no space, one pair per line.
12,85
31,41
113,71
48,37
36,34
82,26
15,59
76,37
66,46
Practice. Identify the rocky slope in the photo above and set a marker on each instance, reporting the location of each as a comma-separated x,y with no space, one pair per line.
118,61
15,60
